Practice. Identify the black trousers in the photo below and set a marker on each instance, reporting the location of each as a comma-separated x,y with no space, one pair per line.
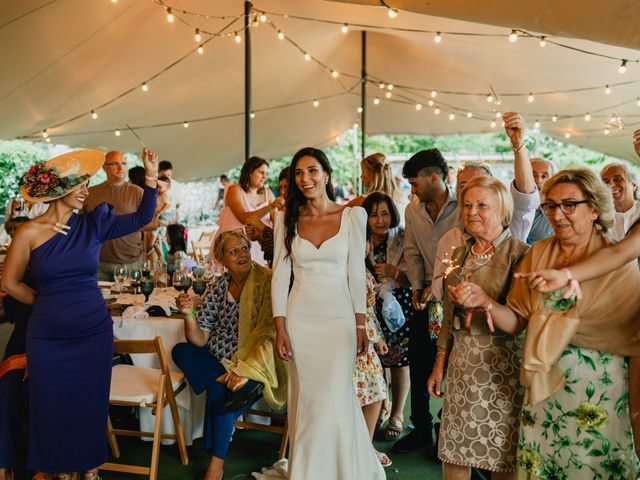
422,355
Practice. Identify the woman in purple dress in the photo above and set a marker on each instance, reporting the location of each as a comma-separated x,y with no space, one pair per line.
70,333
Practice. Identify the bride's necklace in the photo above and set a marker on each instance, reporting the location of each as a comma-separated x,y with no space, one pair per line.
61,228
481,259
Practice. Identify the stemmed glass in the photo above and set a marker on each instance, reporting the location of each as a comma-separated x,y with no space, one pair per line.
208,273
179,281
198,271
120,275
135,276
146,268
199,286
146,287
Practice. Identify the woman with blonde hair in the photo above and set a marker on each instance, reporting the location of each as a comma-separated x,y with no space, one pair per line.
377,177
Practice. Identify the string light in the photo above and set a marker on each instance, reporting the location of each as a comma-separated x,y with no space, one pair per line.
606,131
316,103
622,69
252,115
145,87
498,114
390,86
200,49
469,114
513,37
307,57
392,12
452,116
567,135
434,94
117,133
334,74
388,94
94,115
430,103
197,36
543,41
530,98
356,125
607,90
114,1
48,139
344,28
418,106
170,17
493,124
359,109
280,35
490,98
436,111
237,37
554,118
587,117
536,125
381,86
376,101
185,124
613,118
45,134
263,18
437,38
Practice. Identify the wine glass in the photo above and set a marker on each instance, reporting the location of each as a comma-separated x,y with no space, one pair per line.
146,268
208,273
135,276
178,280
146,287
199,286
198,271
119,275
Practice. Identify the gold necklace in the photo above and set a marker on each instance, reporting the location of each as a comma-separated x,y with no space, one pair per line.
481,259
61,228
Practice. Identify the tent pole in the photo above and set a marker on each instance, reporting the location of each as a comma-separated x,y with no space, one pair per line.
247,80
363,104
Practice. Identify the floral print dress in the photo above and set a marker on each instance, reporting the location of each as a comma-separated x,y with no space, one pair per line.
582,432
368,375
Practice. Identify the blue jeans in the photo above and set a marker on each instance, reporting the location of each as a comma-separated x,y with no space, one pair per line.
201,370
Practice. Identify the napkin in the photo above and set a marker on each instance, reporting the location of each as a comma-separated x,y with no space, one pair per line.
136,312
276,471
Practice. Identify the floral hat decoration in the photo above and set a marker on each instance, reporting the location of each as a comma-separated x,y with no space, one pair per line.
46,181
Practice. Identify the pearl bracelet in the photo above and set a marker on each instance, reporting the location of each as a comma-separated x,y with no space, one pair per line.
360,327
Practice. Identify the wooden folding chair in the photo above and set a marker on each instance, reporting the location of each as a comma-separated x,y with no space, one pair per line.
207,237
145,387
200,250
283,430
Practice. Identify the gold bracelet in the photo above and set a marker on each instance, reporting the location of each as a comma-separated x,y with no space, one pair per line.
442,351
518,148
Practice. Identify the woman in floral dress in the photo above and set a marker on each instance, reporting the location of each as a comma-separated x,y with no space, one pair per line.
575,422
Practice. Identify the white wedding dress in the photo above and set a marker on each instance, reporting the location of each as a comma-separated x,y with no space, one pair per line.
328,435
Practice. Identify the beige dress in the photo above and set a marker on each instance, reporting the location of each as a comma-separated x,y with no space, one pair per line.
483,396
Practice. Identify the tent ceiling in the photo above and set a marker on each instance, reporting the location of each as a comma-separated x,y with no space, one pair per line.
70,57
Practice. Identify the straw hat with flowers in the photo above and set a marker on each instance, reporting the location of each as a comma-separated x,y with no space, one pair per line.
46,181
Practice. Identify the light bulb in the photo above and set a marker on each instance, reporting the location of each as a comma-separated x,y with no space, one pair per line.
344,28
434,94
418,106
543,41
280,35
493,124
355,126
307,57
469,114
48,139
114,1
437,38
452,116
117,133
530,98
334,74
237,37
436,111
498,114
490,98
45,134
388,94
94,115
513,37
587,117
170,17
145,87
197,36
252,115
567,135
392,12
390,86
376,101
430,103
623,67
613,118
536,125
316,103
263,18
606,131
359,109
554,118
200,49
381,86
185,124
607,90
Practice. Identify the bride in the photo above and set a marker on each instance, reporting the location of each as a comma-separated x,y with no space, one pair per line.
320,325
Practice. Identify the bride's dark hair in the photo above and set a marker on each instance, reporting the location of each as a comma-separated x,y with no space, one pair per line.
295,198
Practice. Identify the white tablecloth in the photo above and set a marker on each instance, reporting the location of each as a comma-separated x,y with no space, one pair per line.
191,407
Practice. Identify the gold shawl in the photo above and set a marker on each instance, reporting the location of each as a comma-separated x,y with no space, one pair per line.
605,319
256,356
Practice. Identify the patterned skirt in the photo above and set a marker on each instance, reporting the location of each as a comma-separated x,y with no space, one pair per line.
582,432
482,402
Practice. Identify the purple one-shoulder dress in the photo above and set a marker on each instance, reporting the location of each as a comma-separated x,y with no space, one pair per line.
70,342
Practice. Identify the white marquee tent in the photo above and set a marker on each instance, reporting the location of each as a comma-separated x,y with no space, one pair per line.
63,59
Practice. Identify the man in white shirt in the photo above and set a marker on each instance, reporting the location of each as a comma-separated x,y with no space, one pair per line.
623,182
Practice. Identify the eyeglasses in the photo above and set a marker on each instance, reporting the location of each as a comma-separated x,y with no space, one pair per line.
116,164
234,252
566,206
